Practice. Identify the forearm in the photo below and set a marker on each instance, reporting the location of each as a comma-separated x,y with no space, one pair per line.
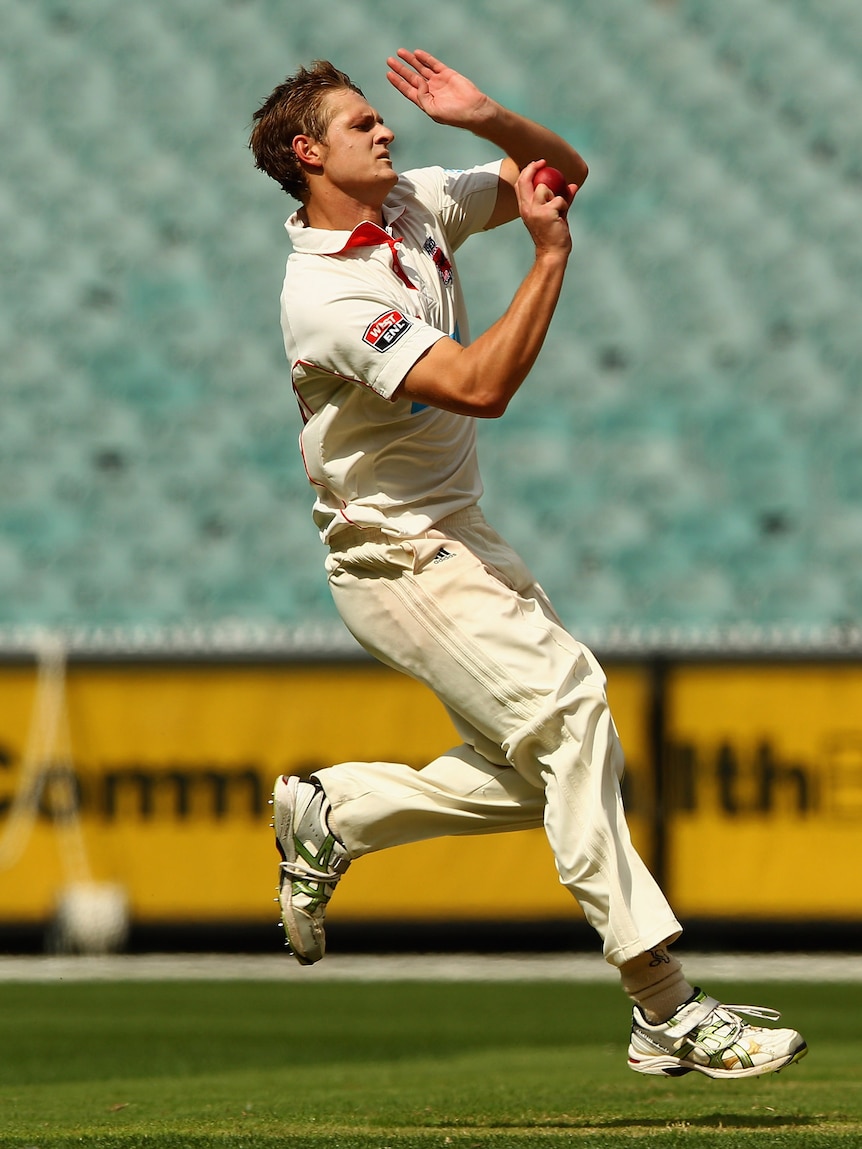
481,379
450,98
524,140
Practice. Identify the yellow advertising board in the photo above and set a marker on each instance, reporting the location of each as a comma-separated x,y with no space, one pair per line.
764,783
166,771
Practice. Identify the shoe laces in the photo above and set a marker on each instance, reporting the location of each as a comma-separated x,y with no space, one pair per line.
730,1023
762,1012
301,871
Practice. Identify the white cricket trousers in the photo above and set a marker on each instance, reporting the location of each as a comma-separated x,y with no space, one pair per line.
457,609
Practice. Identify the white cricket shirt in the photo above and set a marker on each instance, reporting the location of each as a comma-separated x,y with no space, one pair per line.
358,309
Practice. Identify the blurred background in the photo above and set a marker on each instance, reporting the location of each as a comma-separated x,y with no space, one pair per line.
683,470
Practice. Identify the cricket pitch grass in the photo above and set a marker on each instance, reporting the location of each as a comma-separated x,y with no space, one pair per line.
403,1065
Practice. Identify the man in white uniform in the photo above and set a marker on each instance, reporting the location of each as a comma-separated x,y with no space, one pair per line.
389,385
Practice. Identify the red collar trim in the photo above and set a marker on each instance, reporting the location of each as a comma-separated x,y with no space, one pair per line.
369,234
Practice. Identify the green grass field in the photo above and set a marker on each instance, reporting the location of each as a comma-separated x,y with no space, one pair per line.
402,1065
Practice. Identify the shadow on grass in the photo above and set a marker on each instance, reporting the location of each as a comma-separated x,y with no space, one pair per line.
712,1132
716,1121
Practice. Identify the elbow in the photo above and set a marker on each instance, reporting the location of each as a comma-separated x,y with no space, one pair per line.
487,406
490,399
477,405
487,398
492,407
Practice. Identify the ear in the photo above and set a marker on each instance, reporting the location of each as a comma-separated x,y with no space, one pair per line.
308,151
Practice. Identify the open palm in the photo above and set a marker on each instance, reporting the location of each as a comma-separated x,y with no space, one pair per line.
441,92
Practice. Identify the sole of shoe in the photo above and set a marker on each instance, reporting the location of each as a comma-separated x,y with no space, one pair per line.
283,814
672,1067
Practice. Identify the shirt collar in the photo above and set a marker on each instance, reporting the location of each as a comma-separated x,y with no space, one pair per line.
321,241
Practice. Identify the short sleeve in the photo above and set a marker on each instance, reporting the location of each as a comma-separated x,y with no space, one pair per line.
463,200
369,339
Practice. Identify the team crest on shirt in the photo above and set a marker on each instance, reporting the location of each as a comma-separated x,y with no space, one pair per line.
441,262
386,330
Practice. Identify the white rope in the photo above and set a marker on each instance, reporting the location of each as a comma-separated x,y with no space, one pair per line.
38,753
47,769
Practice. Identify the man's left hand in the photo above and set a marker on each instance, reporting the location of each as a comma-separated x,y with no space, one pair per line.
442,93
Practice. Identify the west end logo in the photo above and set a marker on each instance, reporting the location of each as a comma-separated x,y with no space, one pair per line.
386,330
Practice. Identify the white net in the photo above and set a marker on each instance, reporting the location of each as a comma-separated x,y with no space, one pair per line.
91,916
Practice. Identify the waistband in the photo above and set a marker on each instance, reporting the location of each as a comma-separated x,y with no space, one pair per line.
348,537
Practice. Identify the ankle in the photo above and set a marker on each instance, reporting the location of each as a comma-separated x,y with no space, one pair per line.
326,811
656,983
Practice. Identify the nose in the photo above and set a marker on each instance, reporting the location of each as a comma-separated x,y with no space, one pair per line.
386,134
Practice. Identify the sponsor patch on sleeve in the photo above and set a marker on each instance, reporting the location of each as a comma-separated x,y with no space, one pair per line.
386,330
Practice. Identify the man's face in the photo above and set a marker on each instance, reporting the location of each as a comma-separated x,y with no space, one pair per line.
356,148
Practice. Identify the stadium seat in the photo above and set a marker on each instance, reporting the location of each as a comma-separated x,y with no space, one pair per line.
688,440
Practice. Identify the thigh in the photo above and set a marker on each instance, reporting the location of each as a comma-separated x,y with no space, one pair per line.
458,610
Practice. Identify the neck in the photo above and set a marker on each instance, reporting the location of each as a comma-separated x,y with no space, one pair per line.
341,221
335,210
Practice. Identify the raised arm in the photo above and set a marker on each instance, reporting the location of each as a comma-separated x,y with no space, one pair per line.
451,99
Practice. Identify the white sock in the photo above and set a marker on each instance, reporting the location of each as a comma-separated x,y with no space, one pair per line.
655,981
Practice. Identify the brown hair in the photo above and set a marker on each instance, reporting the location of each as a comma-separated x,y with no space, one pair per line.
296,107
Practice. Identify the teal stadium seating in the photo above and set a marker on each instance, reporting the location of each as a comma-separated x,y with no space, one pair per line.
687,454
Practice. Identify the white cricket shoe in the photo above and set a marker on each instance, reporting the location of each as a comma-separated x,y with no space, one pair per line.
312,863
705,1036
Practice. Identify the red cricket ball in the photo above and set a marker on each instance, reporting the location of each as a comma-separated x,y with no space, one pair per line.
554,179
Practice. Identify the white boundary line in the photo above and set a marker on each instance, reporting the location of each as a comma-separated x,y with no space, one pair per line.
417,967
